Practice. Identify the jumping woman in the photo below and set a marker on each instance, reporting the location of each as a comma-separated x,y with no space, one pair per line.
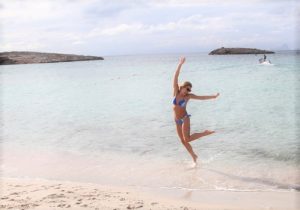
181,96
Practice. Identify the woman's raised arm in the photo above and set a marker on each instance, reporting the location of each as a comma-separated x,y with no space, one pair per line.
176,75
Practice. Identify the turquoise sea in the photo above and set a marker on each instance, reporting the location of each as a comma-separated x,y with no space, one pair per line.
111,122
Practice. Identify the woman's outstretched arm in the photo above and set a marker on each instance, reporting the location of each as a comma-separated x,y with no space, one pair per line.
176,75
193,96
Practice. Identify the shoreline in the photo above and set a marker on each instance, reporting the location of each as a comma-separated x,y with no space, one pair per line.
45,194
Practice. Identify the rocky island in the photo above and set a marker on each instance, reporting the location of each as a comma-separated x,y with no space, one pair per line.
25,57
231,51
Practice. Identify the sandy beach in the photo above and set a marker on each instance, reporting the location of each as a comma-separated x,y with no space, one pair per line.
48,194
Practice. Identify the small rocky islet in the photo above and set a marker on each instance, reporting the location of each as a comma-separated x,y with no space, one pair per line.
25,57
239,51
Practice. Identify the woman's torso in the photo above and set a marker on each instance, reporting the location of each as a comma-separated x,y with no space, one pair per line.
179,106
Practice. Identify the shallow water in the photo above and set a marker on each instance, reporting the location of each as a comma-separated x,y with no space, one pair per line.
111,122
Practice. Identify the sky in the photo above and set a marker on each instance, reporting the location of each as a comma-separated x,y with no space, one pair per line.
130,27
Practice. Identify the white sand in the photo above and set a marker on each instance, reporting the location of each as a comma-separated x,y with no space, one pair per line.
45,195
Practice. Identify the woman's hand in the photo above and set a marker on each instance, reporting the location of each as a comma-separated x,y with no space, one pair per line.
217,95
181,60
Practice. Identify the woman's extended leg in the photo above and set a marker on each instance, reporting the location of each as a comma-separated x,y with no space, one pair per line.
186,132
186,144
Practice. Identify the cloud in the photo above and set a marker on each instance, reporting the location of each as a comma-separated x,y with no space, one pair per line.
116,30
97,26
191,23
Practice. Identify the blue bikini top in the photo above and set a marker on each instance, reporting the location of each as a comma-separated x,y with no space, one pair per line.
181,103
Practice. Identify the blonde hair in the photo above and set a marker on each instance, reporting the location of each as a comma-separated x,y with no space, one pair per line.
185,84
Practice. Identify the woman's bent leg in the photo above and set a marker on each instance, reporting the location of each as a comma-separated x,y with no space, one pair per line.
186,132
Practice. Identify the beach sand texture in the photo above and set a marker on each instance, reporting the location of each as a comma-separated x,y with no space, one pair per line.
45,195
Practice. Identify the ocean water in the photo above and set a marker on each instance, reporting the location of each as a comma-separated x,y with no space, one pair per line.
111,122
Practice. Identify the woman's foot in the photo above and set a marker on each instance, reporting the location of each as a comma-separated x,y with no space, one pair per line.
208,132
195,158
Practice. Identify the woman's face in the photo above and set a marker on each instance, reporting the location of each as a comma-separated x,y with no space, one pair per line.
185,90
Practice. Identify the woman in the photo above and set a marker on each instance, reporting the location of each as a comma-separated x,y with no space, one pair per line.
181,96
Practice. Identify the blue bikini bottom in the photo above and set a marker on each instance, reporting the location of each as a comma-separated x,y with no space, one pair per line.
180,121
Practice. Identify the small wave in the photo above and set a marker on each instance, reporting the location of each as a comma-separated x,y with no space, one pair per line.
219,188
254,190
211,159
266,64
264,154
276,186
145,151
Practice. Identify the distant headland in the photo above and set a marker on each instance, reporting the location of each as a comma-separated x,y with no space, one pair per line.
231,51
25,57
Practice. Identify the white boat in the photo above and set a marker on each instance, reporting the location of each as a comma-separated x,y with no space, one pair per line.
264,62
